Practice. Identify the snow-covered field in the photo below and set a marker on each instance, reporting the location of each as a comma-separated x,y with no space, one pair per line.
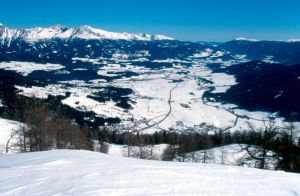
26,68
161,98
67,172
152,152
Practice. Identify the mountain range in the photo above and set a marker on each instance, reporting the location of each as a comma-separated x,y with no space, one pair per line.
62,32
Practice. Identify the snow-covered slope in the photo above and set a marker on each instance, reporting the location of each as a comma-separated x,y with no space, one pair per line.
64,172
233,154
7,127
87,32
7,35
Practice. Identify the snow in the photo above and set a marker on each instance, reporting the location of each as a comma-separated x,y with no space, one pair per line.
8,35
151,92
187,105
93,61
278,95
41,92
245,39
218,54
222,82
26,68
80,69
169,61
153,89
269,59
120,56
81,102
203,54
6,129
68,172
61,32
293,40
122,150
208,52
35,34
232,154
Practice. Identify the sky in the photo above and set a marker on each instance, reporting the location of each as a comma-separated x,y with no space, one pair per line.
192,20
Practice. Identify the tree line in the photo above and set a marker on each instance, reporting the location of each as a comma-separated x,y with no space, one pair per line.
45,128
269,141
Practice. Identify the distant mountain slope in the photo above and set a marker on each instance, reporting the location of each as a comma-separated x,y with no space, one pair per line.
286,52
71,172
264,86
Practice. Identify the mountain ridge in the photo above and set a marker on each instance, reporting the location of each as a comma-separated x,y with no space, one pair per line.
90,33
62,32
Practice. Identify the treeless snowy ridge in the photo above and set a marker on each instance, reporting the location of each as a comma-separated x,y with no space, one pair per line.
66,172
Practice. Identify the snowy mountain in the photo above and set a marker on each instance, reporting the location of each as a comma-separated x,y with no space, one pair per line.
246,39
69,172
293,40
62,32
87,32
256,40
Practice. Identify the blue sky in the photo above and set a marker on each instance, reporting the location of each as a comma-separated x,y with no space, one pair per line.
196,20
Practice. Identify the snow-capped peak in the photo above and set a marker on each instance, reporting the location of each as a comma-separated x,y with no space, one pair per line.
62,32
293,40
246,39
255,40
88,32
39,33
162,37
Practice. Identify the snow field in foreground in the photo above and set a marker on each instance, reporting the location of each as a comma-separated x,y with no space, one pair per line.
67,172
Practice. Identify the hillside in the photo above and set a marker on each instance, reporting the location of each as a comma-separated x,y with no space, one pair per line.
67,172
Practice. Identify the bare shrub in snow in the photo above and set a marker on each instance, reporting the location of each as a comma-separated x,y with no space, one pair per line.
264,138
168,154
104,147
46,130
